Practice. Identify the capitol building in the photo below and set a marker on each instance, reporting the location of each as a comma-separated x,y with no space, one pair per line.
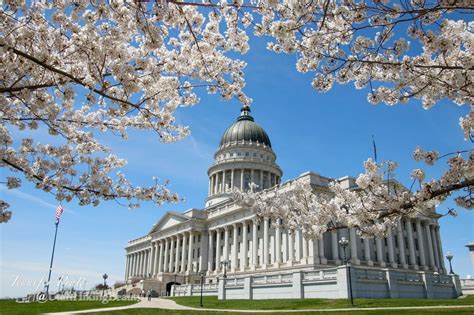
239,257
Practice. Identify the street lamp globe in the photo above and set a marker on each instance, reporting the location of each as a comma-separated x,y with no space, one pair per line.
343,242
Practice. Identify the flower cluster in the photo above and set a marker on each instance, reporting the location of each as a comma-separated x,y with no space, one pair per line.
374,206
76,69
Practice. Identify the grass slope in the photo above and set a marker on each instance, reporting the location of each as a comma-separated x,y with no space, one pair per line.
168,312
11,307
299,304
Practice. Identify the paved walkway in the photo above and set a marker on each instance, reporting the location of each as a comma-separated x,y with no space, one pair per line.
172,305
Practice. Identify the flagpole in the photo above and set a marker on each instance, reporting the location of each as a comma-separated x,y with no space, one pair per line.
52,257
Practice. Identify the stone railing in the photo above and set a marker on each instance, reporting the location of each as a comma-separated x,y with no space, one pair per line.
369,274
320,275
194,289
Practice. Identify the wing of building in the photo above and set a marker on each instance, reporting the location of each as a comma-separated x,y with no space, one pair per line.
224,241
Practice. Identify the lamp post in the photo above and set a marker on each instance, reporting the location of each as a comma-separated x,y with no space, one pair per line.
105,276
202,274
344,242
225,263
449,257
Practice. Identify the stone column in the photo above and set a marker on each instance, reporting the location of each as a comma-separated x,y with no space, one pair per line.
151,269
232,179
421,246
411,245
285,247
305,249
214,184
176,260
140,261
242,179
160,257
226,243
183,254
353,239
210,186
190,252
254,245
203,251
391,250
368,259
132,266
322,257
335,247
298,245
252,176
265,243
235,245
243,254
210,259
218,250
401,245
430,246
127,261
261,180
137,264
435,246
378,245
291,248
223,181
171,263
440,249
278,243
147,262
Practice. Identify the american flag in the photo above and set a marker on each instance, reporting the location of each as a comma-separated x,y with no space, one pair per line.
59,211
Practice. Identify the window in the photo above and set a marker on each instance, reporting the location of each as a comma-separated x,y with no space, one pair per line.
239,154
199,238
199,252
385,241
239,231
254,154
247,154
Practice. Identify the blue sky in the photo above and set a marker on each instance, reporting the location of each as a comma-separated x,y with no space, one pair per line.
329,133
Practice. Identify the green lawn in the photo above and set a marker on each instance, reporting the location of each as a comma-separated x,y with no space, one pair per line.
11,307
299,304
142,311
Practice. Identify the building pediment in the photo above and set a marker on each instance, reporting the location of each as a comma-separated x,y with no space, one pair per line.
170,219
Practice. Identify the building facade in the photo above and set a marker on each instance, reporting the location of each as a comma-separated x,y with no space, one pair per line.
224,239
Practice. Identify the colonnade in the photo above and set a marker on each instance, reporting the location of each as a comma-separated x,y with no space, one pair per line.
249,245
180,253
221,181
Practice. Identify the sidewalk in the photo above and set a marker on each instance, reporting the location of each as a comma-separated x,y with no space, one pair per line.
172,305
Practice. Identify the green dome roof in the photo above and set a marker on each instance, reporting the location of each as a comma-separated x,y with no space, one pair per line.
245,129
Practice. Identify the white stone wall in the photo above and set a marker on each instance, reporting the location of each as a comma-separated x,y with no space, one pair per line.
333,283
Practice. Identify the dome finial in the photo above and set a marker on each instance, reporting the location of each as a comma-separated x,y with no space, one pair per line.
245,113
